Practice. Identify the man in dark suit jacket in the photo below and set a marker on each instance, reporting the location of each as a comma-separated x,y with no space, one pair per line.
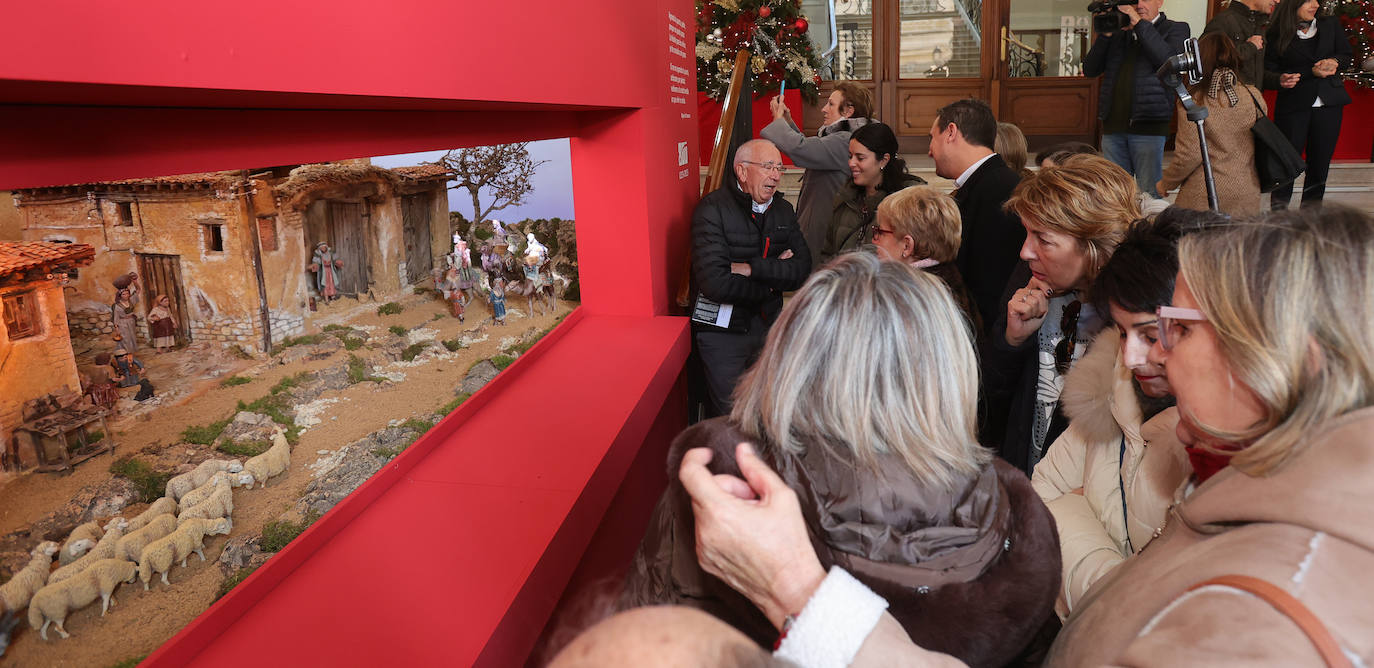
961,141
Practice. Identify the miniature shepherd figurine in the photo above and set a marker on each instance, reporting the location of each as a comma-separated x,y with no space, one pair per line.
325,264
163,325
128,372
498,300
124,313
454,296
467,276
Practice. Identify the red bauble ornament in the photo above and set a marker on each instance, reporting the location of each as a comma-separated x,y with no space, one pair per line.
765,11
801,25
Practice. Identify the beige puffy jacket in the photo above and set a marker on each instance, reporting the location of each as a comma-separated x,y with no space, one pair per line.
1100,401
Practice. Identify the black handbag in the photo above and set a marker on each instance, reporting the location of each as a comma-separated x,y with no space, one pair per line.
1276,161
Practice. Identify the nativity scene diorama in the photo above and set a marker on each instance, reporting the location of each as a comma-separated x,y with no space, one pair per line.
193,364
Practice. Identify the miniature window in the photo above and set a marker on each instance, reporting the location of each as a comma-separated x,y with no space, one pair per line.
21,315
126,213
267,232
214,237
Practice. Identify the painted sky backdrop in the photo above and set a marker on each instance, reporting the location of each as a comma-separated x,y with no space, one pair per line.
552,196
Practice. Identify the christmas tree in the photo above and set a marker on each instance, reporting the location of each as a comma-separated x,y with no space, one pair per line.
774,31
1358,20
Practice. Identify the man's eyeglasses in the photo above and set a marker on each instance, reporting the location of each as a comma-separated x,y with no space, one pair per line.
874,231
1068,325
1169,329
767,166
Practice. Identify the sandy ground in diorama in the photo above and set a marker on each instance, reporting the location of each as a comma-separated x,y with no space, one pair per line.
143,620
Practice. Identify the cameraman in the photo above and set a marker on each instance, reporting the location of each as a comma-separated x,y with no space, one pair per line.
1135,107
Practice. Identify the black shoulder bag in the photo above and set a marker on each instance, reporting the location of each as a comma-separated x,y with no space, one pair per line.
1276,161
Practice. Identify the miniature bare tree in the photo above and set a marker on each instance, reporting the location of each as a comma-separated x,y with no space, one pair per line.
504,172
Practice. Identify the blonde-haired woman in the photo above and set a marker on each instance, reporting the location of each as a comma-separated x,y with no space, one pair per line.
1074,213
895,487
921,226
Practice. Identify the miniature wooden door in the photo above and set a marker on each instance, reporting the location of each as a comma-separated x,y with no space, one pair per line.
161,275
415,221
347,222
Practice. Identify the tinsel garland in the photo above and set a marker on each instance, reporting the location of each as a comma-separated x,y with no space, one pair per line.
775,32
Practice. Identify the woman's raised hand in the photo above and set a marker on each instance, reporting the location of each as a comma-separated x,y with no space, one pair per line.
750,533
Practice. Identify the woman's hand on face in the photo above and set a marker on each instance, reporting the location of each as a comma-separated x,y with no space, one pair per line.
1026,311
1289,80
750,533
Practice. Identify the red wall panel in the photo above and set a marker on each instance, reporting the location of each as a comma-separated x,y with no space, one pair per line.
93,90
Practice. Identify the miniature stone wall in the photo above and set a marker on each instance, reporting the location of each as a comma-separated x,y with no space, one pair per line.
228,330
286,324
245,331
90,323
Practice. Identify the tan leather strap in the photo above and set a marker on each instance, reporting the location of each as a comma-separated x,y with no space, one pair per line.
1289,607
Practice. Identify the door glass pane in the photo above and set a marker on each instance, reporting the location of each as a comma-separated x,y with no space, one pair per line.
853,56
1048,38
940,38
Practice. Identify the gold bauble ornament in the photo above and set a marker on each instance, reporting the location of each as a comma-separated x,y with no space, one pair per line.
724,65
759,63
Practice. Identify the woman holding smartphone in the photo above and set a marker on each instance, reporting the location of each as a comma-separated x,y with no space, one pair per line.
1306,52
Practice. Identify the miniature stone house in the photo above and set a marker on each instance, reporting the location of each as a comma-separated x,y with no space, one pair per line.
36,357
231,249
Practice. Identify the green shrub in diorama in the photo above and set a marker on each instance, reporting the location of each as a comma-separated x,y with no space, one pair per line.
150,483
390,308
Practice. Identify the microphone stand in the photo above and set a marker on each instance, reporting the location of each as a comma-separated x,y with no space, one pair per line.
1198,115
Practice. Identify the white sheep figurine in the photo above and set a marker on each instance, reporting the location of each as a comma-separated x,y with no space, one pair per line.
178,486
159,507
161,553
273,462
131,545
16,593
220,504
79,542
52,603
199,494
105,549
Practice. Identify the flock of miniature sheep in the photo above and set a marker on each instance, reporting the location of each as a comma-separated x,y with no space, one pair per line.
94,560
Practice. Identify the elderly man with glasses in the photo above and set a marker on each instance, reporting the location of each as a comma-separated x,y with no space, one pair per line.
747,249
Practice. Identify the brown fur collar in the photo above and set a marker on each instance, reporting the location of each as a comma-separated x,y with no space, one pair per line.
985,622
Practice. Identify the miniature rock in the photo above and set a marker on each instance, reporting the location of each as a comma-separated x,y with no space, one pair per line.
247,427
480,374
241,552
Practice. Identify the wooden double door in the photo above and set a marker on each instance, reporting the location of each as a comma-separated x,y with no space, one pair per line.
342,224
161,275
919,55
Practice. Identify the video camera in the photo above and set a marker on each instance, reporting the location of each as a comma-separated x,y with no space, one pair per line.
1106,18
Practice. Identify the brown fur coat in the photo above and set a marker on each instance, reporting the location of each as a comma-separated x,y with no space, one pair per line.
972,572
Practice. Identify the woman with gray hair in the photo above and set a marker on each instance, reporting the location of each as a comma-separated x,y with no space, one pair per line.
864,399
